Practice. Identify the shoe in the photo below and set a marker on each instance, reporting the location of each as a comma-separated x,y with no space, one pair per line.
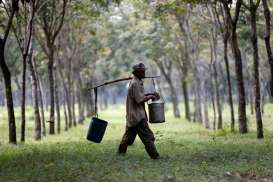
156,158
121,153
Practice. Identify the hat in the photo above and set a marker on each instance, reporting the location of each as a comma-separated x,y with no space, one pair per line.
139,66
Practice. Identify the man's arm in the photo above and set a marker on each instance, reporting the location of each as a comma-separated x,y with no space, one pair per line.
139,95
155,94
148,97
152,93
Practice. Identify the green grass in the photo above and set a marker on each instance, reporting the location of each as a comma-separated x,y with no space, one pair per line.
191,153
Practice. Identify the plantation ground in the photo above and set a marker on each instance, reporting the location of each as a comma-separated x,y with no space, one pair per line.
191,153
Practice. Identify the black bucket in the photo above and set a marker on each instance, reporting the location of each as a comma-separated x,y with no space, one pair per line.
96,130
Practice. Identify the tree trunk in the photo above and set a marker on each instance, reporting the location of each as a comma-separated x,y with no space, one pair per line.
2,100
213,106
51,92
238,64
67,99
267,43
73,105
80,116
240,85
264,91
7,80
46,99
23,101
65,114
251,98
40,92
219,109
80,104
214,72
9,99
249,84
206,100
35,100
197,96
174,98
186,98
57,105
230,100
254,40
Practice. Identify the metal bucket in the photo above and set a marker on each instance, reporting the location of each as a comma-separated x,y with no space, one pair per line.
156,112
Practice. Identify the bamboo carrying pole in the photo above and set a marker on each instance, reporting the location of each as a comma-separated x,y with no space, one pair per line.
118,80
107,83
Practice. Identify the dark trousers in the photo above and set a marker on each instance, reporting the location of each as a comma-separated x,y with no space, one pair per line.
145,134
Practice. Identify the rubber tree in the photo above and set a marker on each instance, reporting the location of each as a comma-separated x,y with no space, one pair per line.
267,39
23,33
14,8
232,25
50,21
253,7
225,34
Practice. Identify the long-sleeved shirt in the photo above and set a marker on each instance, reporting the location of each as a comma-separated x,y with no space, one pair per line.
135,106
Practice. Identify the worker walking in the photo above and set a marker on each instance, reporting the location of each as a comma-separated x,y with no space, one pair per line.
136,117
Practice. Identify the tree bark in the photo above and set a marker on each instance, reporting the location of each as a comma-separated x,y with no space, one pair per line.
41,103
26,48
23,97
206,100
35,100
57,104
73,105
230,100
213,47
213,106
51,91
80,103
65,114
238,63
251,98
218,103
2,100
197,100
67,98
186,99
254,40
7,80
225,31
267,43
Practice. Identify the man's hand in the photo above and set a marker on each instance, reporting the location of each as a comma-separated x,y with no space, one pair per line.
152,97
156,95
148,97
153,94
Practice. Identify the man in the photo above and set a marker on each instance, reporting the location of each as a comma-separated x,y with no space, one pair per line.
136,117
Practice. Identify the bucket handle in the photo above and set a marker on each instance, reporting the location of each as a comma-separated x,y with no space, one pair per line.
161,96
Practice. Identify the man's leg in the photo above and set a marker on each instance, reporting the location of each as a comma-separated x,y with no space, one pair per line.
147,137
132,140
127,139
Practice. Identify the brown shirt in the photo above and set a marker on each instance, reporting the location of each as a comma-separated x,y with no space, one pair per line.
135,108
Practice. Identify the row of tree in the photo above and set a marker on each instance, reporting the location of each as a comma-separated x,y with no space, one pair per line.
219,25
48,38
202,49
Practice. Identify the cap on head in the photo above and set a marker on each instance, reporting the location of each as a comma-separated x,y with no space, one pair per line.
139,67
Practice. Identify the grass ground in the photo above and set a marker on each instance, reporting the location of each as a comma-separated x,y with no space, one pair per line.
191,153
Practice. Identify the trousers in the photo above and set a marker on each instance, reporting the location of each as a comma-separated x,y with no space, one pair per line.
146,136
